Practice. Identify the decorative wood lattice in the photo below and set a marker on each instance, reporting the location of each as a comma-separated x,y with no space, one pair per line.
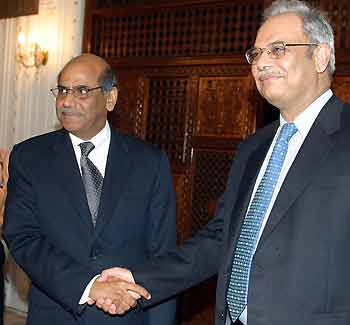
224,108
166,113
339,14
210,175
124,116
209,29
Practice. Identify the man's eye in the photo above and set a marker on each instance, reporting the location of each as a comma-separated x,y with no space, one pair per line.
254,54
277,50
62,91
83,90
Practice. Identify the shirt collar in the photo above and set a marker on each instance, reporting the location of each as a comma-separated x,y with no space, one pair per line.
97,140
306,119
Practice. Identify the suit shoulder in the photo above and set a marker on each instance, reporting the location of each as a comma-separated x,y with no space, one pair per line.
36,146
37,143
259,136
140,148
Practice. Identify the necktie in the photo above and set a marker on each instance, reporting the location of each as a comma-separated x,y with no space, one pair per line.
246,244
92,179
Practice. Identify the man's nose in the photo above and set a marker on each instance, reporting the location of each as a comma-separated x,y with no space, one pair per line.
68,99
264,60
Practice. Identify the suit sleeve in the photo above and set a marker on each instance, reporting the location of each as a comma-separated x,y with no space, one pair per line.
198,258
162,234
59,275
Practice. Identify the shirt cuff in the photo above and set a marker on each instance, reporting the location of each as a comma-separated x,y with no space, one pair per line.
85,297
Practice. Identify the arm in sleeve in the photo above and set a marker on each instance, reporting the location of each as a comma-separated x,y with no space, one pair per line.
162,235
57,274
198,258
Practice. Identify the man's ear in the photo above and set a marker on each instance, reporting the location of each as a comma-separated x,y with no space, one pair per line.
321,57
112,99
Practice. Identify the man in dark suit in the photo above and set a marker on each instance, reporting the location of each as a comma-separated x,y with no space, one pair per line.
84,198
281,235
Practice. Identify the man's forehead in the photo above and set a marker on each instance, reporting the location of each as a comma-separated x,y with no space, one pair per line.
285,27
79,73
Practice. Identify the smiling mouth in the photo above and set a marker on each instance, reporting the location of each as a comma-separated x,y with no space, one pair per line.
69,114
269,77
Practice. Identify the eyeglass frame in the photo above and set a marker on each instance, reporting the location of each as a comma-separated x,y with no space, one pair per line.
270,46
74,91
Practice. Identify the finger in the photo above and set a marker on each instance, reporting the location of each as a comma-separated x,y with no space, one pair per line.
124,301
100,302
107,304
134,294
112,309
138,290
134,304
90,302
122,308
103,277
129,300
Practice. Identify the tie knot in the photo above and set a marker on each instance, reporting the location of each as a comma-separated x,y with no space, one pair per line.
86,148
287,131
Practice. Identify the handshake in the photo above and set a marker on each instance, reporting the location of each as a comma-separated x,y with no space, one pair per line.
115,291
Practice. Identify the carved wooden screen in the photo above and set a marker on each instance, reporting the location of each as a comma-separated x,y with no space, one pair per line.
185,87
185,30
165,123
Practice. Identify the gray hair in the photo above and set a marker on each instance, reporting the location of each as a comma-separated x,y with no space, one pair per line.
315,22
107,79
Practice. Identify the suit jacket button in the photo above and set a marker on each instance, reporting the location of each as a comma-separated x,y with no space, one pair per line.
222,315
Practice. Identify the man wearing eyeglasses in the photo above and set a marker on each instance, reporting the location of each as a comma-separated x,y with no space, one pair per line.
85,198
280,237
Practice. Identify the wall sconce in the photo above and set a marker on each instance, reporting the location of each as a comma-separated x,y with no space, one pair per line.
30,54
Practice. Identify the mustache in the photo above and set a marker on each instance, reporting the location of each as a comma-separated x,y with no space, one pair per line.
265,74
69,110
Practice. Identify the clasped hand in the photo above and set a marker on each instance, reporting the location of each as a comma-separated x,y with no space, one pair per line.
115,291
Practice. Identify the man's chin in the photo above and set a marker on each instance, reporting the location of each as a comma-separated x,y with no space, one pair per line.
71,127
273,97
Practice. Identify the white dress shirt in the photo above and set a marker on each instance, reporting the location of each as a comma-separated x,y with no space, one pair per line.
98,156
303,122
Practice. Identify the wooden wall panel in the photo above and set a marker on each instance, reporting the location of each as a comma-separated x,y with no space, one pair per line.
166,115
341,86
191,28
209,175
220,103
339,14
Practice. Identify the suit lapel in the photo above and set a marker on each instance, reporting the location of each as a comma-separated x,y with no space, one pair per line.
118,169
310,158
66,171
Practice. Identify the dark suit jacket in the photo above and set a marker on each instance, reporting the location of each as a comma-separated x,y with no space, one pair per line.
301,269
50,234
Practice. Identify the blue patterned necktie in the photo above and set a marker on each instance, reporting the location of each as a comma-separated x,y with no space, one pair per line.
238,286
92,179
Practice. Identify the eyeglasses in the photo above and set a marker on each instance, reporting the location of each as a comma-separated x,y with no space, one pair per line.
275,51
78,91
